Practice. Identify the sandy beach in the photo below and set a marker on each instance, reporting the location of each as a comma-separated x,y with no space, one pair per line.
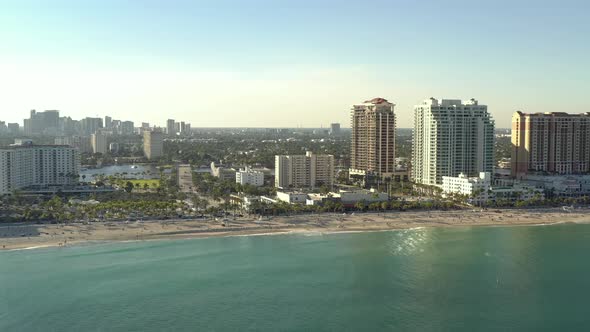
28,236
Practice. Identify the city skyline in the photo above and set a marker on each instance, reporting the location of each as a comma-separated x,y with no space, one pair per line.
293,64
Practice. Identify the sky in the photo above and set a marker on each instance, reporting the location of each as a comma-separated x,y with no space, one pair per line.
273,63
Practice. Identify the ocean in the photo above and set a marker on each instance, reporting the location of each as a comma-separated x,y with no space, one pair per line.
528,278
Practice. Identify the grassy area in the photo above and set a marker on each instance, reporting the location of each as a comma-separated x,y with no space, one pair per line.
139,183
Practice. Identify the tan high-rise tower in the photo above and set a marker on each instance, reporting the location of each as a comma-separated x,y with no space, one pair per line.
373,137
153,144
550,142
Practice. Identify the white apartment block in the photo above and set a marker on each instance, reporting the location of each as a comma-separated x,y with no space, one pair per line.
304,171
477,189
99,143
248,176
43,165
451,137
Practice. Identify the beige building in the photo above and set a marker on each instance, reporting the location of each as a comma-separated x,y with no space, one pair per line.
153,144
554,142
304,171
99,143
451,137
373,137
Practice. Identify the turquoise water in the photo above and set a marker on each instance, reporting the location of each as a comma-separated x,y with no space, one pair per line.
460,279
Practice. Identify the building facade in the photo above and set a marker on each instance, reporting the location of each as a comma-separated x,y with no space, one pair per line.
451,137
304,171
171,127
477,189
44,165
334,129
42,123
83,144
557,143
153,144
373,137
248,176
89,126
99,143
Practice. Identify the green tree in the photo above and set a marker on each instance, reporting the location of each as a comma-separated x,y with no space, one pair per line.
128,186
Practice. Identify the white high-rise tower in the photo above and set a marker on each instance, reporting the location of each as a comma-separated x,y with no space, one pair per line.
451,137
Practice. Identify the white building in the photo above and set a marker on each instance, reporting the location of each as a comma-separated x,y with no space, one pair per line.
349,198
248,176
451,137
477,189
304,171
99,143
571,185
292,197
23,166
517,192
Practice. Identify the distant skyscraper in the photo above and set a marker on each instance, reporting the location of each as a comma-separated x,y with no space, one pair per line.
89,126
13,128
42,123
451,137
304,171
108,122
153,144
67,126
550,142
171,127
99,143
334,129
127,128
373,137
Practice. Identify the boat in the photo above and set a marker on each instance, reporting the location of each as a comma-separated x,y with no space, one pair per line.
134,166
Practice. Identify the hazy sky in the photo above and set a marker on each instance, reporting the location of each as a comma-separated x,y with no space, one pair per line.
288,63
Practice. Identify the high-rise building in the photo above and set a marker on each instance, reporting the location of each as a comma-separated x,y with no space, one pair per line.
451,137
82,143
153,144
99,143
304,171
373,137
127,128
334,129
23,166
42,123
67,126
89,126
13,128
171,127
553,142
108,122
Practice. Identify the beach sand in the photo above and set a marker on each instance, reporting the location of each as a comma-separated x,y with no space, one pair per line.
29,236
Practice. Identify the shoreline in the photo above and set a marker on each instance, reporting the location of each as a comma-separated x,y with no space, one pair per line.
39,236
